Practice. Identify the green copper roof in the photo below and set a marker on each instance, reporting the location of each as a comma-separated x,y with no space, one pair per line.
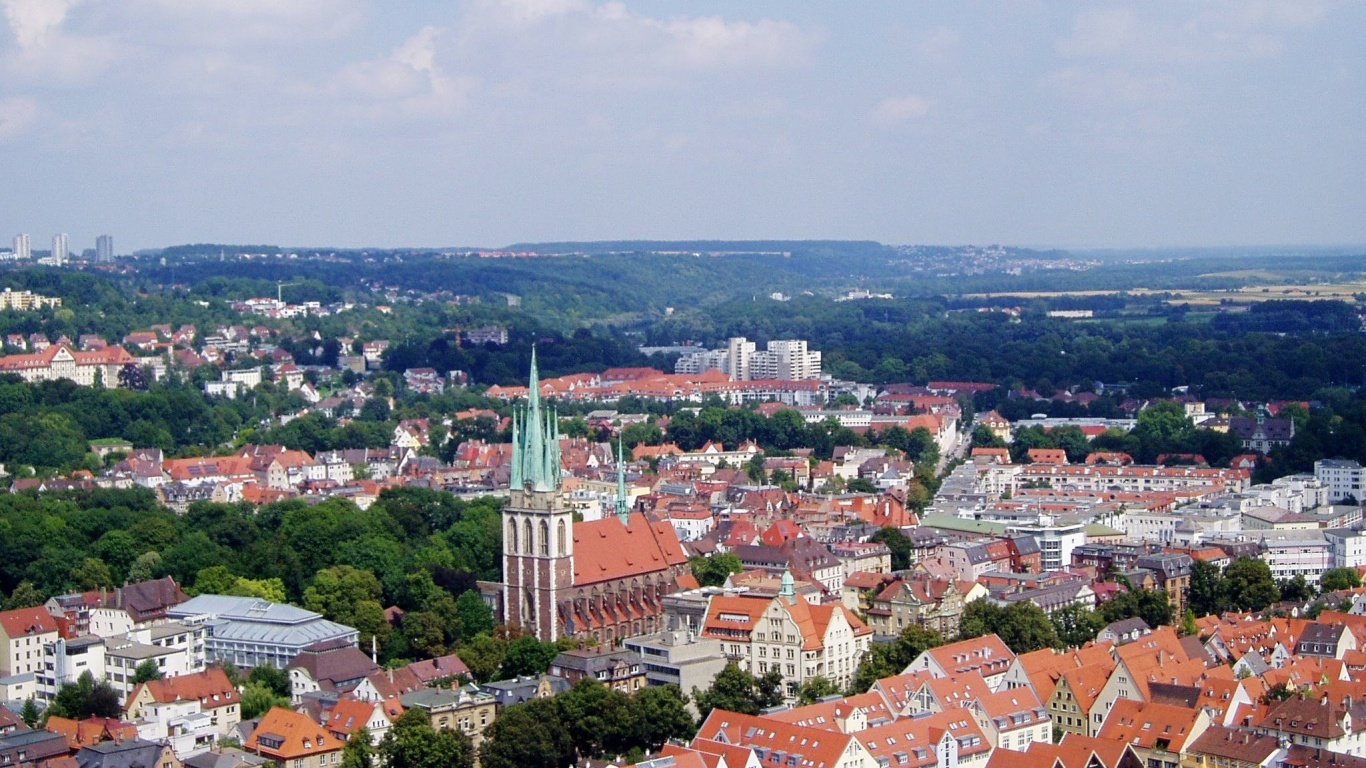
535,441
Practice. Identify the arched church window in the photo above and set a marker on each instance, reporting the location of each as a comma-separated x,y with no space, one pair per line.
526,537
562,535
512,537
545,538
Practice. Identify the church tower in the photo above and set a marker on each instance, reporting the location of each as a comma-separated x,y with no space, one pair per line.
538,537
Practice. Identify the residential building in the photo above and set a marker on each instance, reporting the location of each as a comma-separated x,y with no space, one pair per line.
293,740
788,634
920,600
466,707
23,634
173,707
1343,477
986,655
127,753
60,249
1160,733
1318,722
333,666
617,668
779,742
104,249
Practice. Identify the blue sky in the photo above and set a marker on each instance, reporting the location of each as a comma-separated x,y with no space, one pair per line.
359,123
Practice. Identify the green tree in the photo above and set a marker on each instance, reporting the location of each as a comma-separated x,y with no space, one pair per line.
411,742
527,735
85,698
660,713
1076,625
1335,579
1025,627
258,699
30,713
358,753
599,718
91,573
1249,586
350,596
735,690
475,616
147,671
1205,595
1296,590
886,660
712,571
484,656
1152,605
527,656
146,567
272,678
815,688
860,485
1022,626
266,589
424,633
25,595
899,545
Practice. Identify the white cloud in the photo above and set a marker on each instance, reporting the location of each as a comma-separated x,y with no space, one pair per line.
528,12
410,78
895,110
1229,30
35,21
713,42
17,115
45,49
227,23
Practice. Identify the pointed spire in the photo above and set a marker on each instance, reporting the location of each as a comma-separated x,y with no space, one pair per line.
536,450
623,513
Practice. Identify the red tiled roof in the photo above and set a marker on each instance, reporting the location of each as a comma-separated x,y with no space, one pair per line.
605,550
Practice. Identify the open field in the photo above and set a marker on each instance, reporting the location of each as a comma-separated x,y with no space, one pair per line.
1245,295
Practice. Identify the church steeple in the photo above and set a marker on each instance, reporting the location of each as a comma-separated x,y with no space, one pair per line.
536,445
623,513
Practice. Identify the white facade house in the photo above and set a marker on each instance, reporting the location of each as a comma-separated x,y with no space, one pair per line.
1343,478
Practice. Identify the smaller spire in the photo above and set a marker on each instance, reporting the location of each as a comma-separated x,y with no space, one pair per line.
788,591
623,513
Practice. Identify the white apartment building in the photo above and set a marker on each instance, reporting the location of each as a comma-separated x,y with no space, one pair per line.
1348,547
1296,553
1343,477
22,247
787,634
786,360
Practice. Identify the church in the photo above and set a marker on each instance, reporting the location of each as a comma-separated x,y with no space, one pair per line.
600,580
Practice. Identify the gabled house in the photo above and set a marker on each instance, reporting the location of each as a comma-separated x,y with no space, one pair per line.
986,655
1157,732
334,666
292,739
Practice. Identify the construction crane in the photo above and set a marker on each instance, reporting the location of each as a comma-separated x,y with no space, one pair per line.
279,290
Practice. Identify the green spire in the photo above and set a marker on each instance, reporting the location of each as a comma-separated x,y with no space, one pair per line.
788,590
536,451
623,513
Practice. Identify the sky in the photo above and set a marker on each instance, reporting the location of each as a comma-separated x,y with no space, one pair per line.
360,123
